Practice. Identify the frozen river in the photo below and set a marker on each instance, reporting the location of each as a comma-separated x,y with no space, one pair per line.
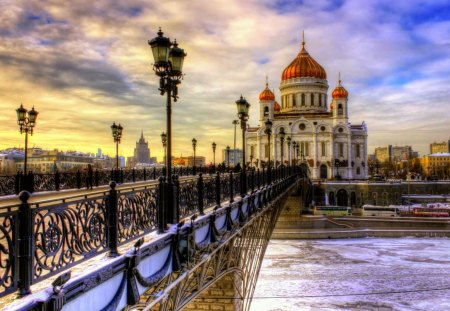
355,274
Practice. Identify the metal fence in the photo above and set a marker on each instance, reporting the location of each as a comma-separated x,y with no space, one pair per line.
40,239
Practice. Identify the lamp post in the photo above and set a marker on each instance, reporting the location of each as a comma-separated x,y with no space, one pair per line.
26,122
164,143
214,145
194,145
294,149
282,134
168,67
235,122
289,139
228,157
268,131
117,135
243,107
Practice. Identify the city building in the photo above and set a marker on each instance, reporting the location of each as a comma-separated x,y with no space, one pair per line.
141,156
235,156
8,159
395,153
436,164
331,145
443,147
188,161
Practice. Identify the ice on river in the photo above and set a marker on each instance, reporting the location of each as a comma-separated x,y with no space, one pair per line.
355,274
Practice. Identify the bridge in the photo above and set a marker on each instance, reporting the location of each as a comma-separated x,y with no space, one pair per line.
210,260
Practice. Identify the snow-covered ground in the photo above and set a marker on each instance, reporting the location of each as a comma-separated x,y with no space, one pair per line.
355,274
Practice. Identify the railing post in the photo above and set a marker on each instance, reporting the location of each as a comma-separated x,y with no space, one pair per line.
231,187
78,177
121,176
57,180
218,189
112,219
200,188
252,174
154,173
133,174
24,258
258,178
145,174
161,201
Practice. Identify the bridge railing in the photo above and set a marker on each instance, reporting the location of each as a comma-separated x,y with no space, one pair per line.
40,239
34,182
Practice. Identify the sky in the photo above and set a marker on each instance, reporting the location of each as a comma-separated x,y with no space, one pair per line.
84,64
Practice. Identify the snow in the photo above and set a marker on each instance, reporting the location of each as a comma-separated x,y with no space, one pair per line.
355,274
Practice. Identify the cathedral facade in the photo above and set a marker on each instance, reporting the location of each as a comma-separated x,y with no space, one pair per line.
325,139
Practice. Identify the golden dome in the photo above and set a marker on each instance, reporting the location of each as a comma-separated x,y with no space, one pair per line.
339,91
303,66
276,107
266,94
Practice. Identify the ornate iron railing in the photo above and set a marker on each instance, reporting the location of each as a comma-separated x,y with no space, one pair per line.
77,180
40,239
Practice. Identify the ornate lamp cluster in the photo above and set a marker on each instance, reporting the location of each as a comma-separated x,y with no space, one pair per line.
242,107
117,135
168,66
27,121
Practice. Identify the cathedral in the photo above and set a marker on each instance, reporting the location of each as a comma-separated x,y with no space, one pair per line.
314,132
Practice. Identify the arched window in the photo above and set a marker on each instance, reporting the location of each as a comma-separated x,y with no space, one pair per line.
312,99
266,111
303,99
320,100
358,170
294,102
358,152
322,145
341,149
340,110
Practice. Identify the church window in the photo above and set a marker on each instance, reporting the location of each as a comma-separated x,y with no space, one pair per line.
322,145
340,110
266,111
340,130
294,103
266,150
252,151
303,99
341,150
322,128
302,126
358,152
312,99
302,148
306,149
358,170
320,100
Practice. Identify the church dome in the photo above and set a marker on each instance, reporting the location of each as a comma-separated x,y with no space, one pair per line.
266,94
339,92
303,66
276,107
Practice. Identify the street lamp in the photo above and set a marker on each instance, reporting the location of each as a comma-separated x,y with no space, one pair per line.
268,131
289,139
228,157
26,124
214,145
282,134
242,108
294,149
117,135
235,122
194,145
168,67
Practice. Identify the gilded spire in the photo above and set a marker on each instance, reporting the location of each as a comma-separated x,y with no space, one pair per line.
303,39
339,78
267,81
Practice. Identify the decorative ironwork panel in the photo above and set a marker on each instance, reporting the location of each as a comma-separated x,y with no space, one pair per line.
224,187
68,181
66,234
44,182
104,177
237,183
188,198
137,214
7,184
8,242
209,192
139,175
127,176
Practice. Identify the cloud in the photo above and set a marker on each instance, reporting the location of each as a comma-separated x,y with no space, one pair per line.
85,64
